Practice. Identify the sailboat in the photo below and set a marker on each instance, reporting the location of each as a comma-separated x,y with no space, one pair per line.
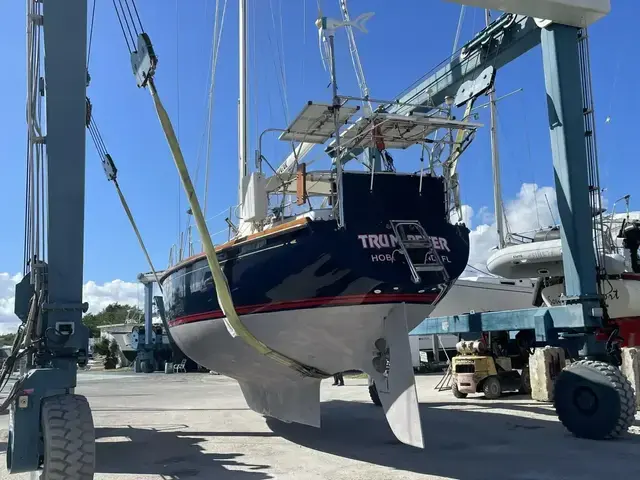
337,282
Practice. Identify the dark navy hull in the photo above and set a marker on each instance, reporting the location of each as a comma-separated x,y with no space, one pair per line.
321,296
314,264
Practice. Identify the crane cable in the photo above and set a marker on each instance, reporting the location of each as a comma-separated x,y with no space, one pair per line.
35,213
108,165
111,172
144,62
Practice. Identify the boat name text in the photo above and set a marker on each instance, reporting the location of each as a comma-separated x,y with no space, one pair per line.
388,257
385,240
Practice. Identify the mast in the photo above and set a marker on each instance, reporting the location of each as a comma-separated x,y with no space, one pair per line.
336,113
242,101
495,160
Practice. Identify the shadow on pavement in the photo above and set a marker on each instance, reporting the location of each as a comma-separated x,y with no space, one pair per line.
467,442
173,454
155,409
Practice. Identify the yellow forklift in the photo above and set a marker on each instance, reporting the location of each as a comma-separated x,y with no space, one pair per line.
492,365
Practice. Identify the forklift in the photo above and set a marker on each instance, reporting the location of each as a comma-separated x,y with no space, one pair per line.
492,365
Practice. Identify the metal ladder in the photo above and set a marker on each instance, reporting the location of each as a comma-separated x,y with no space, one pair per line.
424,243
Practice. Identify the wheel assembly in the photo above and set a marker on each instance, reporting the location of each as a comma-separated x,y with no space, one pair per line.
373,393
525,381
68,438
457,393
492,388
594,400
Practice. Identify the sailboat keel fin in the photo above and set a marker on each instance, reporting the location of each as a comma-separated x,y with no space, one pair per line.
392,371
287,400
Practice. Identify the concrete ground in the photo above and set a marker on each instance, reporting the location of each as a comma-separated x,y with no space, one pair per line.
197,426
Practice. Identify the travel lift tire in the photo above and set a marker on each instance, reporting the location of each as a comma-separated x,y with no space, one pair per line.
373,393
69,438
594,400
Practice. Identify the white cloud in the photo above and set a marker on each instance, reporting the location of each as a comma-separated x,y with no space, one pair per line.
98,296
532,208
8,321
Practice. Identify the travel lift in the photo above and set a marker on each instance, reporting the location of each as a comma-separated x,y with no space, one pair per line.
592,397
150,344
51,428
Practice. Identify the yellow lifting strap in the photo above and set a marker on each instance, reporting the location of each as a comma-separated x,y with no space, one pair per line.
232,321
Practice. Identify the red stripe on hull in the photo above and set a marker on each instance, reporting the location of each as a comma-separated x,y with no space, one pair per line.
345,300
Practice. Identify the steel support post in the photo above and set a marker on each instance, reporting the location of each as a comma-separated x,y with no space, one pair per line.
566,125
373,159
65,337
148,312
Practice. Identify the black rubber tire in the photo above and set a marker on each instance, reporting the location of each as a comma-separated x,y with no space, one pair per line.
457,393
373,393
146,366
492,388
69,438
525,381
594,400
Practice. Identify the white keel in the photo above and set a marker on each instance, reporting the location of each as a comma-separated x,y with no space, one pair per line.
331,339
288,401
396,386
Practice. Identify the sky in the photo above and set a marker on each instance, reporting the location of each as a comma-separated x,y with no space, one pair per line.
406,39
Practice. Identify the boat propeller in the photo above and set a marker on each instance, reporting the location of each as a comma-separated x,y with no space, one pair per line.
381,360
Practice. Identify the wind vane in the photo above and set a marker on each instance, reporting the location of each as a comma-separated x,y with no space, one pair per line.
328,26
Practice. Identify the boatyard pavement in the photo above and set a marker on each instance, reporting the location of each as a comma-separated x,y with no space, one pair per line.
197,426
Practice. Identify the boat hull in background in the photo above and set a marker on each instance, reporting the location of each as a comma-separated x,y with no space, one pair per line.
485,294
540,259
481,294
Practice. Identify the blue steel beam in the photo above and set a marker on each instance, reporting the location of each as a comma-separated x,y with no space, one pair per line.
546,321
507,38
148,313
566,125
570,163
65,43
